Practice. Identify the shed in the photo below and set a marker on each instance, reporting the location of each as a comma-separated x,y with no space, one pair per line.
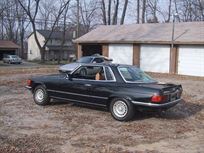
150,46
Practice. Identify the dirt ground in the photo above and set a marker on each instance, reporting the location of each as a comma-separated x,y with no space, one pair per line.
62,127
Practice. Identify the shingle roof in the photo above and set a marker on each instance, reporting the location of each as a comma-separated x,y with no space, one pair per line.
185,32
55,34
6,44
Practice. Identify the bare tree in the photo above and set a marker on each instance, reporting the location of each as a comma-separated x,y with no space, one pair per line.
115,14
143,10
31,9
152,9
103,8
138,11
63,33
124,12
89,14
45,11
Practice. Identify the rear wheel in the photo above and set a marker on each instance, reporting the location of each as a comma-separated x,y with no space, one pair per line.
40,96
122,109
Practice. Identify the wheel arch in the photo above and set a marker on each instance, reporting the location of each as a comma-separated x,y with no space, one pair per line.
114,96
38,84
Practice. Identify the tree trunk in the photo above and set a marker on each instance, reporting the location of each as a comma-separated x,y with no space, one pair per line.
143,11
42,52
104,12
138,11
169,12
109,12
115,15
124,12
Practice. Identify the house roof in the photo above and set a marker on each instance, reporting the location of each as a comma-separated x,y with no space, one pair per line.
55,34
6,44
185,33
58,48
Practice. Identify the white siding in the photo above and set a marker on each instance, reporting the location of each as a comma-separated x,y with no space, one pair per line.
33,50
191,60
121,53
155,58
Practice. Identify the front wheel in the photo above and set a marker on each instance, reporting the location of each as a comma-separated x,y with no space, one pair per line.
122,109
40,96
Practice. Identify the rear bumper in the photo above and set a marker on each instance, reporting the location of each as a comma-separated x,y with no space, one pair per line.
152,105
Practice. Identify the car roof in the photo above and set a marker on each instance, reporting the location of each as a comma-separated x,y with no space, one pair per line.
97,56
105,64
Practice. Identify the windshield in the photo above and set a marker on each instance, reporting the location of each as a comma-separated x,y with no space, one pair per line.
85,60
134,74
14,56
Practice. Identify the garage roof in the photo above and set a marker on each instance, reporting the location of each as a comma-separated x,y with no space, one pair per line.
6,44
185,33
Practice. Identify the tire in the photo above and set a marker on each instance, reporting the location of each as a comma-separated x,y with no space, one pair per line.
122,109
40,96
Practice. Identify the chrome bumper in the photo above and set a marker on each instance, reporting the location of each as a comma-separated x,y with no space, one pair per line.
28,87
169,104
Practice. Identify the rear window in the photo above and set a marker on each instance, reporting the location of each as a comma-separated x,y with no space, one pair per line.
85,60
134,74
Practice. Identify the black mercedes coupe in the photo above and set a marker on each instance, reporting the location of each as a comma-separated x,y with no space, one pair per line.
120,88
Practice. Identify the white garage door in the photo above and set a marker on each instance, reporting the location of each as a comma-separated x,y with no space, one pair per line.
121,53
191,60
155,58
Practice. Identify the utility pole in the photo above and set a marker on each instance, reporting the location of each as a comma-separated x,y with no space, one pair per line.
173,30
77,19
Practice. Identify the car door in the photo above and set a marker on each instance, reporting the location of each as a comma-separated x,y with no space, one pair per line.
77,87
102,89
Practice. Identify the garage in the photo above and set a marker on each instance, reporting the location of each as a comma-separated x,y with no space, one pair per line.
7,47
149,46
121,53
155,58
191,60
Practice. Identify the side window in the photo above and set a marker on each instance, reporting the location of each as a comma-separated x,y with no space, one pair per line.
98,60
89,73
109,74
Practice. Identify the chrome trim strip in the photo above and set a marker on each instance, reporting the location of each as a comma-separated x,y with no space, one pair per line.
156,105
76,94
77,101
95,80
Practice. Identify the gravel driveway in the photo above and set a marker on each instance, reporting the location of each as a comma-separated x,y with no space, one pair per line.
65,127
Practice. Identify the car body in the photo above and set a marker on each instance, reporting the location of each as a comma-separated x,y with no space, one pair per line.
12,59
120,88
85,59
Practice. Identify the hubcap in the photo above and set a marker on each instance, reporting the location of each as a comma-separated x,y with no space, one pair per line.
120,108
39,95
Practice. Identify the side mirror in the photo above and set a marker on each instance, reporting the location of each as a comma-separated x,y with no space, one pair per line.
69,76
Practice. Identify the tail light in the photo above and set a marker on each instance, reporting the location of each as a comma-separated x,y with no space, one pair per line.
157,98
29,82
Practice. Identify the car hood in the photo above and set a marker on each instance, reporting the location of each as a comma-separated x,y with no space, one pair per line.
45,78
69,67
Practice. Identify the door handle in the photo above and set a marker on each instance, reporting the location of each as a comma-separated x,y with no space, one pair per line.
87,85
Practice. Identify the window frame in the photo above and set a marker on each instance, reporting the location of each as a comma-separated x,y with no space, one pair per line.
112,74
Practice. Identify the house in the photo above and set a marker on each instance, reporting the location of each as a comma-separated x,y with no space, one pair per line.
150,46
53,48
8,47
